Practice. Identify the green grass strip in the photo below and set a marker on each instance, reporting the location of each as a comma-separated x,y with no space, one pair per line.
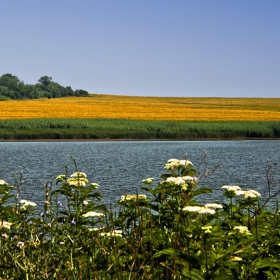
134,129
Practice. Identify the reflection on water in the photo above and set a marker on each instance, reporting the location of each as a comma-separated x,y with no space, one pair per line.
119,166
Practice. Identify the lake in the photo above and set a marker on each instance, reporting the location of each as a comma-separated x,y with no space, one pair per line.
120,166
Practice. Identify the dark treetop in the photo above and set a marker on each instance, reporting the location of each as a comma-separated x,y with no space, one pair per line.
12,88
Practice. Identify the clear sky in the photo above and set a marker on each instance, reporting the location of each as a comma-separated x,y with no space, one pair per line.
203,48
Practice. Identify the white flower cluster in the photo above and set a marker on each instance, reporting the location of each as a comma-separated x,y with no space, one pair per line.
95,229
92,214
60,177
242,229
248,194
181,181
2,182
206,209
78,179
238,192
4,224
133,197
77,182
27,203
174,163
148,181
190,179
231,188
112,233
79,175
214,205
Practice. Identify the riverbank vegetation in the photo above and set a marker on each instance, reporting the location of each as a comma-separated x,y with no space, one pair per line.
12,88
134,129
158,232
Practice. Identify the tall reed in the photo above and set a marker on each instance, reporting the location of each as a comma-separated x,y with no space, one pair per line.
134,129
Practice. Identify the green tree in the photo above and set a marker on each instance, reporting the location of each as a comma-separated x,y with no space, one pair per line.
45,80
81,92
10,81
12,88
4,91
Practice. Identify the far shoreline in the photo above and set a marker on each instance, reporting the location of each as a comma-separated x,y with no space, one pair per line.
137,140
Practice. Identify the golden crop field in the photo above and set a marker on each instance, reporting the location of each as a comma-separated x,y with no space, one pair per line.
145,108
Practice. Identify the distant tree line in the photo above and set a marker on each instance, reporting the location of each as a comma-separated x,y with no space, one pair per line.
12,88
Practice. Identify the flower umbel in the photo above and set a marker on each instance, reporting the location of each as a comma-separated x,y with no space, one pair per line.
214,205
112,233
148,181
199,209
192,208
242,230
251,194
77,182
60,177
133,197
92,214
2,182
173,164
79,175
27,203
231,188
5,224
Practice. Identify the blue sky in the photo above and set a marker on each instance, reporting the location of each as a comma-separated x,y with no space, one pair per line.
203,48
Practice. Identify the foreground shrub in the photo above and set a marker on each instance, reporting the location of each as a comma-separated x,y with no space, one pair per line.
161,233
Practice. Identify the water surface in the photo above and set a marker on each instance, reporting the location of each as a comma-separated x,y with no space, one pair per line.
119,166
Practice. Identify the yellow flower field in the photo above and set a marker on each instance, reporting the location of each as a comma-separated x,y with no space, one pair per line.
145,108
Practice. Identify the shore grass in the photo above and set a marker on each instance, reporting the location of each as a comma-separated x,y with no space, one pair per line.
48,128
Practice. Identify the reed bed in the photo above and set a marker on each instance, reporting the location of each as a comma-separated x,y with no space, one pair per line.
144,108
134,129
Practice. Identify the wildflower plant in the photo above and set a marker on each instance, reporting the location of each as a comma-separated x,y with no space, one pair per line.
160,232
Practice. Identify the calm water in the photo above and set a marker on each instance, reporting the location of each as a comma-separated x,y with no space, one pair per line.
118,167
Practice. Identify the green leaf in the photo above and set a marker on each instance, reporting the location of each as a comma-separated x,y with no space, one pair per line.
102,207
194,274
202,191
268,262
271,275
192,172
145,189
175,253
165,176
169,251
64,192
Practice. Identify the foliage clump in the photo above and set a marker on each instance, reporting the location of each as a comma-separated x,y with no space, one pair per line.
163,233
12,88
